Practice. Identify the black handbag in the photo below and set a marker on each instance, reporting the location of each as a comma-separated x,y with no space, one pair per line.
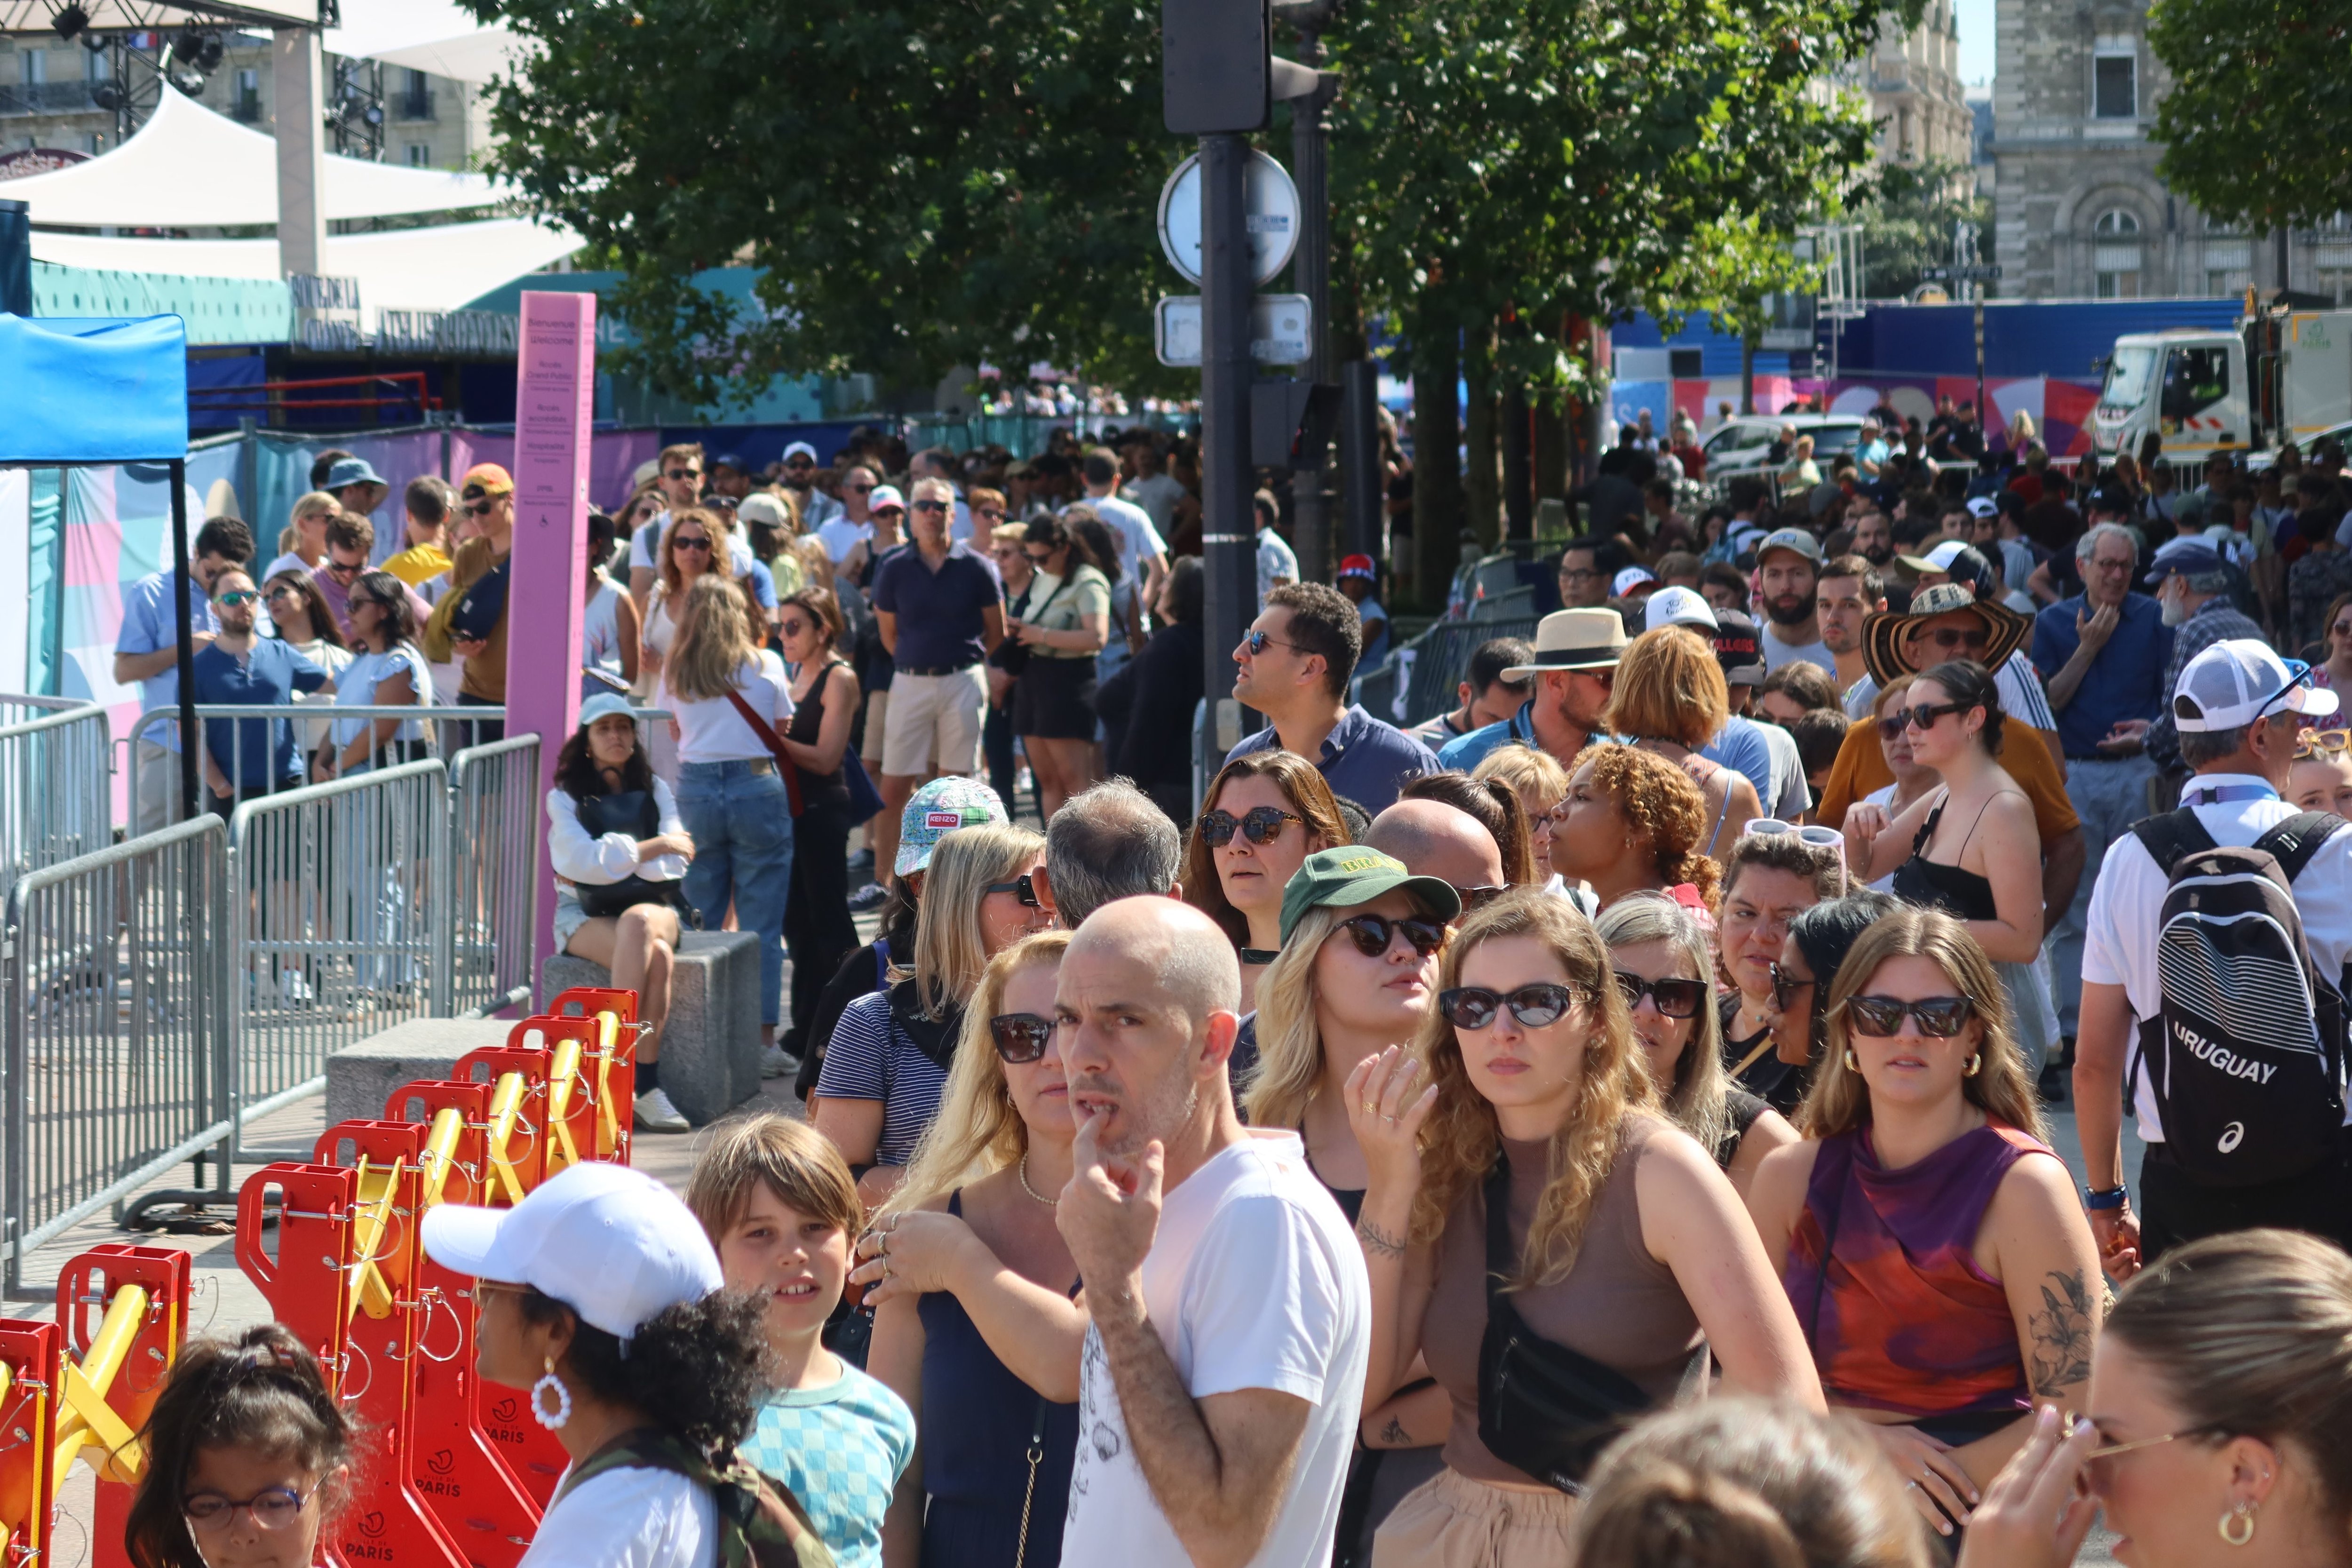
1546,1408
631,812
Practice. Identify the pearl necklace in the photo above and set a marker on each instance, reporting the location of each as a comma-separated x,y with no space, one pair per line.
1024,1172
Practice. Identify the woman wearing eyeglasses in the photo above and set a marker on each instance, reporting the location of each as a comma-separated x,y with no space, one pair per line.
1634,822
889,1054
1662,958
299,617
1670,697
1932,1246
2219,1431
1065,625
975,1325
1536,1157
1267,813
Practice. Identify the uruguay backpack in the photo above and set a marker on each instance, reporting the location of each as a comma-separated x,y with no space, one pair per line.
2246,1054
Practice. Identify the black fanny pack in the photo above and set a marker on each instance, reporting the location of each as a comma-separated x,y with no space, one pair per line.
631,812
1543,1408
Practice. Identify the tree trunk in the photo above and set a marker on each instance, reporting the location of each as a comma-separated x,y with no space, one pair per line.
1518,487
1436,460
1748,370
1552,444
1482,485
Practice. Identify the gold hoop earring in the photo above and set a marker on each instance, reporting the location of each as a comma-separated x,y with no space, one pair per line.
1853,1063
2242,1518
1976,1063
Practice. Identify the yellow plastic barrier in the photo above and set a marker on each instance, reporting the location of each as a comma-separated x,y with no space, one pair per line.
84,1416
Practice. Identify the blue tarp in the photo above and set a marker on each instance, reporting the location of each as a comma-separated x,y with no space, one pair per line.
93,391
2022,337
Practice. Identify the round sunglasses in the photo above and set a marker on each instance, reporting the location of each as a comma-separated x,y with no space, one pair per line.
1259,824
1675,998
1940,1017
1475,1006
1020,1037
1372,933
690,542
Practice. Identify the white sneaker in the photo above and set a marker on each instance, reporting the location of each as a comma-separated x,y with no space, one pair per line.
777,1062
656,1114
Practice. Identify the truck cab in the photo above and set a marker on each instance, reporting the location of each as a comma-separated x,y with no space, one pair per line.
2188,386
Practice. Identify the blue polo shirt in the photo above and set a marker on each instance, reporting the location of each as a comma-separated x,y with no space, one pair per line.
256,754
2125,682
939,611
149,625
1363,758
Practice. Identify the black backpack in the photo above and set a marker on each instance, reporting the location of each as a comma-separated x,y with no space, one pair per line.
2246,1056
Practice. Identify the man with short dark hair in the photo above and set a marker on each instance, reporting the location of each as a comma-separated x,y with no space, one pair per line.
147,650
731,476
1296,663
1276,563
1848,591
1587,569
1484,696
1109,841
351,540
1145,559
1788,565
425,555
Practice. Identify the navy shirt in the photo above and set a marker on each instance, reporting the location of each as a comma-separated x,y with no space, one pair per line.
939,611
2125,680
256,754
1363,759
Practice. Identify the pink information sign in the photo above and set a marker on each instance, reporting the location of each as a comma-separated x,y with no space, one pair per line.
554,398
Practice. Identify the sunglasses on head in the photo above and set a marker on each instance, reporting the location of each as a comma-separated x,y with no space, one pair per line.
1021,887
237,596
1940,1018
1258,642
2309,744
1259,824
1675,998
1475,1006
1020,1037
1373,934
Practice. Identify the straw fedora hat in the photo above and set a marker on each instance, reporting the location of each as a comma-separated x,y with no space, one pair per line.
1884,634
1574,639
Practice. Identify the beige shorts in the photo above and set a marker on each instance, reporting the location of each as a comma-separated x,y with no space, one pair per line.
1452,1521
877,714
933,723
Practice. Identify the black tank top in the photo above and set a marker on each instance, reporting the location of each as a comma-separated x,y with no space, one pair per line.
1933,885
817,789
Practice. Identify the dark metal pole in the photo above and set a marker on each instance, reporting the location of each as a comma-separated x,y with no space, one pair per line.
182,575
1360,455
1311,271
1230,560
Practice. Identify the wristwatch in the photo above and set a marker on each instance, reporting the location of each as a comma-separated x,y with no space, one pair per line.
2097,1199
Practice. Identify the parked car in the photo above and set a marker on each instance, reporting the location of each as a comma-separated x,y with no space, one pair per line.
1743,444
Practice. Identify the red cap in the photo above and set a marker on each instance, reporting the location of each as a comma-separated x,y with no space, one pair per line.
1357,566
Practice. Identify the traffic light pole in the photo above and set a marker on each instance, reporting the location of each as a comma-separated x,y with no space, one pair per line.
1228,543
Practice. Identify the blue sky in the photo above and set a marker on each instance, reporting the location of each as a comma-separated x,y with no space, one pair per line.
1975,41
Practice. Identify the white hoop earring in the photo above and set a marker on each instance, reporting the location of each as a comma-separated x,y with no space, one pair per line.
553,1419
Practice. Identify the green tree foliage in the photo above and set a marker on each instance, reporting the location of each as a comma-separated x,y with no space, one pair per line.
2257,127
1907,213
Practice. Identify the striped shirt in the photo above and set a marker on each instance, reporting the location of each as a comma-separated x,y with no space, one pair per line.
870,1058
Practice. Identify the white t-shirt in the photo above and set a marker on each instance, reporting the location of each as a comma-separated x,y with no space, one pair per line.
1254,1281
629,1518
645,546
840,536
1777,653
1158,497
2119,939
711,731
1134,524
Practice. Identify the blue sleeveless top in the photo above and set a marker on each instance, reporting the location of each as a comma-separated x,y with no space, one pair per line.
978,1419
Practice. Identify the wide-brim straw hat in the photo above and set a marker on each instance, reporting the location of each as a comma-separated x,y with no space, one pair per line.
1574,639
1883,633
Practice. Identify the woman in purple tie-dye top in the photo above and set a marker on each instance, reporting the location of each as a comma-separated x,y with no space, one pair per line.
1930,1240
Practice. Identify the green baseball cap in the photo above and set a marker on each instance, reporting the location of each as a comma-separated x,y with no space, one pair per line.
1353,874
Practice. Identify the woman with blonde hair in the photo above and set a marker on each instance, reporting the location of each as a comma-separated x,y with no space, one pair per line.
692,548
1931,1243
1264,814
1670,699
887,1059
1533,1221
1634,822
1663,959
976,1325
1541,784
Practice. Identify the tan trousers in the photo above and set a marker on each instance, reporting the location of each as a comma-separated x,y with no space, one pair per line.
1452,1521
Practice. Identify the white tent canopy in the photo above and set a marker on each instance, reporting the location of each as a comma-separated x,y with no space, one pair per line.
436,36
440,269
190,168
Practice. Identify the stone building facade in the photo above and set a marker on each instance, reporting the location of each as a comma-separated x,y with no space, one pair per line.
1913,81
2079,212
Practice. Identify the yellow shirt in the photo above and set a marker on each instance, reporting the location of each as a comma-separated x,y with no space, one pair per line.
418,565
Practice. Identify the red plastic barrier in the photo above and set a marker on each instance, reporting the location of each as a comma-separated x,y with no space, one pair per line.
87,1287
521,1165
617,1077
30,1373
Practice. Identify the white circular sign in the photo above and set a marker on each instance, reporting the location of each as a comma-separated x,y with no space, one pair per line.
1270,202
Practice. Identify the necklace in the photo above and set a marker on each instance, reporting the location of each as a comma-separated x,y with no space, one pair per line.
1049,1203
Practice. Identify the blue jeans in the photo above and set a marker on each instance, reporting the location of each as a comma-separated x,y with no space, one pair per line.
2109,797
743,829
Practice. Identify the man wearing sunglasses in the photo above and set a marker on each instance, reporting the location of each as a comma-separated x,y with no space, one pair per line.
842,533
488,498
246,758
679,478
146,651
1573,667
351,546
1433,839
1296,662
799,475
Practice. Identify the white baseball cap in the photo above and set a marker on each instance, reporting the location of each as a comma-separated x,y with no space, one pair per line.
1981,507
2238,680
610,1243
1679,606
1631,578
799,449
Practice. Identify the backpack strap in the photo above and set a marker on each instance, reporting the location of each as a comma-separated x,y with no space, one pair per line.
2294,842
761,1524
2171,836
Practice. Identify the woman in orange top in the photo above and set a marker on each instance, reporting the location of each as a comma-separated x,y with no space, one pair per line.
1930,1241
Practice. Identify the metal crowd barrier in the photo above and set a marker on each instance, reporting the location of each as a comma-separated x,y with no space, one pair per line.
1420,680
451,730
485,960
56,772
118,1030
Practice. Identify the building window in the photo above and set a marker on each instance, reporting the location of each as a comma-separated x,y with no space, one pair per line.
246,105
96,64
2116,255
420,155
2115,86
2228,266
35,67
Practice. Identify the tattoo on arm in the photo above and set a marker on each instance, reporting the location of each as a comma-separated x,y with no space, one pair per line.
1395,1435
1378,1242
2061,1334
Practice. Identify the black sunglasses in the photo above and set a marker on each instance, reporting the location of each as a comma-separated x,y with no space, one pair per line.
1475,1006
1675,998
1948,638
1940,1018
689,542
1258,642
481,508
1924,716
1020,1037
1372,933
1785,985
1478,898
1021,887
343,571
1259,824
682,474
930,506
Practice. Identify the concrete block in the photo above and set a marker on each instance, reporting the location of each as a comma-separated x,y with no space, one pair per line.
711,1042
362,1076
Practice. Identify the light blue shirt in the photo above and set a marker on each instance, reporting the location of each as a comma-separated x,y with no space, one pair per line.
1274,559
1740,745
356,687
151,624
841,1449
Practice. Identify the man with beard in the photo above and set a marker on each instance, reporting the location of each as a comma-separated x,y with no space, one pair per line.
1850,589
1230,1308
2192,592
817,509
1574,665
1787,566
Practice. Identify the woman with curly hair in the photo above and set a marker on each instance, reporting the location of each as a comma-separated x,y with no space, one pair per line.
1931,1242
1265,813
1670,699
1634,822
1534,1219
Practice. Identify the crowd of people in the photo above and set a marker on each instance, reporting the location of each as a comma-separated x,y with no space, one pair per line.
1607,1122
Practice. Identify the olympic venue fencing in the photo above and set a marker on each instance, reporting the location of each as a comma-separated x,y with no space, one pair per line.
165,990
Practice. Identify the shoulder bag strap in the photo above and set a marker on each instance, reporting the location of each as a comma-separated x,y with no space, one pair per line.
768,738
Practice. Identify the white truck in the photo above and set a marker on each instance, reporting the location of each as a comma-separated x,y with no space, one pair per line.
2281,374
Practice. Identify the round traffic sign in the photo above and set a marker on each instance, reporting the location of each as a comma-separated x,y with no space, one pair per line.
1270,202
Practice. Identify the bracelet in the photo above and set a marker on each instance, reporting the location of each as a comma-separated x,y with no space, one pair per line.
2097,1199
